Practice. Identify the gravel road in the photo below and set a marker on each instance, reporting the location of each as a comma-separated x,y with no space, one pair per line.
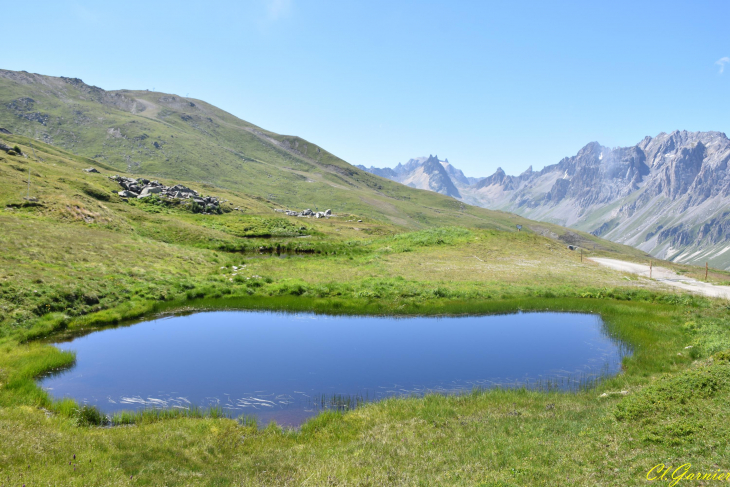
666,276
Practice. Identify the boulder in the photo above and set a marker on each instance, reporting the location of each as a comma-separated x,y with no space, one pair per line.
327,212
126,194
149,190
91,169
182,189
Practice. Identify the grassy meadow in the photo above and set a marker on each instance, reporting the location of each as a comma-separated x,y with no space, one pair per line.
79,258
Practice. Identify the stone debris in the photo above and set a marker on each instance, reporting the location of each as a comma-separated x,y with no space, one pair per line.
306,213
142,188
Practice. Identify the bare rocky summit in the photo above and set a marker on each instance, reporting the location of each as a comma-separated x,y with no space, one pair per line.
423,173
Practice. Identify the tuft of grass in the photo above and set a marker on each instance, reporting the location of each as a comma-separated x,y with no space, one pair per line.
148,415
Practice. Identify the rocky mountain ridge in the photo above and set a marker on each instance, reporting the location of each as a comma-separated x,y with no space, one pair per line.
428,173
666,195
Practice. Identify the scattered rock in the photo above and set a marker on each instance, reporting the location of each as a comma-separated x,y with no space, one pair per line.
305,213
142,188
5,131
91,169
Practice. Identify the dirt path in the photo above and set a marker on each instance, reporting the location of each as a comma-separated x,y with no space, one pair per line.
666,276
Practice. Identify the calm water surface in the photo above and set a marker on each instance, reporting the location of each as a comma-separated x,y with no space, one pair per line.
281,366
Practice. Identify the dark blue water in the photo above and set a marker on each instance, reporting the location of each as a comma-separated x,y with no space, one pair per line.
279,366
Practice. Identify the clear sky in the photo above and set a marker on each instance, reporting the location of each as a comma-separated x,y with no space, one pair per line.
483,83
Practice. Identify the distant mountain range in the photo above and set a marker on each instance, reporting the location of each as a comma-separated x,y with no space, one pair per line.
667,195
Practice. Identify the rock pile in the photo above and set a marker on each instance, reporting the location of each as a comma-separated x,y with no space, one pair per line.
307,213
142,188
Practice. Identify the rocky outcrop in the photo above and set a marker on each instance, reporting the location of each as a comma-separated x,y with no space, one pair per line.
142,188
306,213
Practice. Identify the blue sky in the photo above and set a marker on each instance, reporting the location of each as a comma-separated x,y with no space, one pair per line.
483,83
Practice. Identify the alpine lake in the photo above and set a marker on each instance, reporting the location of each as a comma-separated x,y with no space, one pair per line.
286,367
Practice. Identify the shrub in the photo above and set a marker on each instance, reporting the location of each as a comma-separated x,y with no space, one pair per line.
17,149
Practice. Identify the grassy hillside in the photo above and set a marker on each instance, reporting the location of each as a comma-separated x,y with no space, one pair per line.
166,136
82,248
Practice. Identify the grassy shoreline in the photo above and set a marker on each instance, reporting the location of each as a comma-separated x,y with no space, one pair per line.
437,427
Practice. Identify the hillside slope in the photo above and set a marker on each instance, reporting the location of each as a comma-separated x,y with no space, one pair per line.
180,140
167,136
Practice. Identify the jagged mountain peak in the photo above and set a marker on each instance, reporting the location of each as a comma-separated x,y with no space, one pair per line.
591,149
429,173
656,195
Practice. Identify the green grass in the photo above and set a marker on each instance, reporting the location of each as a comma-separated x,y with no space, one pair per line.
676,399
74,262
